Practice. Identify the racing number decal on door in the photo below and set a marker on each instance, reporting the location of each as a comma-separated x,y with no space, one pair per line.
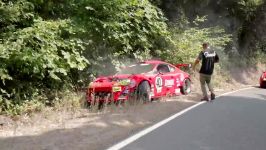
159,84
169,83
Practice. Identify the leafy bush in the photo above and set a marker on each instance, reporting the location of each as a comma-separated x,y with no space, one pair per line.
39,53
46,45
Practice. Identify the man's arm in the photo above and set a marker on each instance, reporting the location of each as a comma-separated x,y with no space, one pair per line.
197,61
195,64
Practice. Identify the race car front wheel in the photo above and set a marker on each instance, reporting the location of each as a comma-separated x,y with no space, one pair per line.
144,92
186,87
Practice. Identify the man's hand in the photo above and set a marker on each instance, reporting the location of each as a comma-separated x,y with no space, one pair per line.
195,64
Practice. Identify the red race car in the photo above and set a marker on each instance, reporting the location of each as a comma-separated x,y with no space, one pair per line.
263,80
145,81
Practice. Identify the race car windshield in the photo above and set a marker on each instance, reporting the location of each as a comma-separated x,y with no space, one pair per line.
137,69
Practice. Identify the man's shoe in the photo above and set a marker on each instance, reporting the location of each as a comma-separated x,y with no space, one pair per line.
212,96
205,99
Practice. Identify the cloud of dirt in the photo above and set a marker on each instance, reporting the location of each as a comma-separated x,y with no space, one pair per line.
109,66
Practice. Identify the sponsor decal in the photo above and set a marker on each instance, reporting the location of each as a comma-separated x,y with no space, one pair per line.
182,77
124,82
152,93
158,84
169,83
177,91
122,97
144,64
207,54
117,89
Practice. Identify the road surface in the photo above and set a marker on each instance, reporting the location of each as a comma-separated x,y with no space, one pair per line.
232,122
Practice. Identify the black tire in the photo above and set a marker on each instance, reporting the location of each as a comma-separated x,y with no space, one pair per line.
186,87
87,104
144,92
262,86
100,105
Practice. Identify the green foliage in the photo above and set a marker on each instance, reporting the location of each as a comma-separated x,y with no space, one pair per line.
14,15
124,25
120,30
37,56
49,46
40,52
245,9
46,45
260,52
26,107
187,43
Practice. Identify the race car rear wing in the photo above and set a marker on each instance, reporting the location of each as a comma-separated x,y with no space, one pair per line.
183,65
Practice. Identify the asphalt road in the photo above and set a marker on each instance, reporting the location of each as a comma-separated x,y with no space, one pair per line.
233,122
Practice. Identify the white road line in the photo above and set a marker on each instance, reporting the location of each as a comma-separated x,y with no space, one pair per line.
161,123
149,129
235,91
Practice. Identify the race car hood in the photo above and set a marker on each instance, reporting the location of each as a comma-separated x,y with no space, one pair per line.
110,81
114,78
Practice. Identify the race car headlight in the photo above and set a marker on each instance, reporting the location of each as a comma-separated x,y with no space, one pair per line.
90,85
132,83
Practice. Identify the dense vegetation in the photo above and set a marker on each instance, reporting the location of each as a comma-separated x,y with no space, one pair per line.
51,46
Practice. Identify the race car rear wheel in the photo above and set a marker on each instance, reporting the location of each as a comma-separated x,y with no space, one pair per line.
262,85
144,92
186,87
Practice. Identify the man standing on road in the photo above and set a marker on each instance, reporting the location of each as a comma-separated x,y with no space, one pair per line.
207,57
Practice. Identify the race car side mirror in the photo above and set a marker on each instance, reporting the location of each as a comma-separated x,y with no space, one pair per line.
160,72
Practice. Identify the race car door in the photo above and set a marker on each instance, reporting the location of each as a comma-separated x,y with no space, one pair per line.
178,77
164,82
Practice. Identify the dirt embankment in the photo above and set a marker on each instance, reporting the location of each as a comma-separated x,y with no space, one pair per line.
84,129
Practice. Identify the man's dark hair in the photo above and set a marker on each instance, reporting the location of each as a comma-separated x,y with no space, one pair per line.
205,44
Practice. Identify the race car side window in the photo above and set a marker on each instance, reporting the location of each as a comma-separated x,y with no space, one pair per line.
172,69
163,68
